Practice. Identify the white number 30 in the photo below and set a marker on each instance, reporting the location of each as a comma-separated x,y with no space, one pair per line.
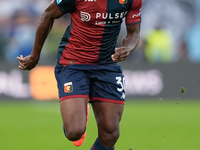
121,82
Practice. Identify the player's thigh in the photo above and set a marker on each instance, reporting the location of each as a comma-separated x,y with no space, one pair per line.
108,116
74,112
73,87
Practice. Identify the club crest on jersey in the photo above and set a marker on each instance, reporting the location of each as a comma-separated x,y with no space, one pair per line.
68,87
123,1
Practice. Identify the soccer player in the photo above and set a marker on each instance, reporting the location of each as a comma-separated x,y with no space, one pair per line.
87,68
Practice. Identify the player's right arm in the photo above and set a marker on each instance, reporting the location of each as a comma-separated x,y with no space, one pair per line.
44,27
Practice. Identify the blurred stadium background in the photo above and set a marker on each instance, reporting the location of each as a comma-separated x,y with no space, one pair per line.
162,80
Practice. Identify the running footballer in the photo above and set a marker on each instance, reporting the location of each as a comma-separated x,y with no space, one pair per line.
87,68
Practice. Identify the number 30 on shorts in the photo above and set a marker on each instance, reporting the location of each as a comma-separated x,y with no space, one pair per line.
120,81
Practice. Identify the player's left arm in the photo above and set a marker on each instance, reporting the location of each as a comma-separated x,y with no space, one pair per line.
129,43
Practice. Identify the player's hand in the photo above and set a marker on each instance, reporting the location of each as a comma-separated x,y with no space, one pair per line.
121,54
27,63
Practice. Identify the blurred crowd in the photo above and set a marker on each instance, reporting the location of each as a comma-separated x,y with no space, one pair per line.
170,31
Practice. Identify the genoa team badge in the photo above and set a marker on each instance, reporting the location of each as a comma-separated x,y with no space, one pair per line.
123,1
68,87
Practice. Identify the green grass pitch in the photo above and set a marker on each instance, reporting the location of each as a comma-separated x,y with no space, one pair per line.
146,125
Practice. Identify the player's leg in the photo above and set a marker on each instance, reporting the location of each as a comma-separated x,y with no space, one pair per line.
74,115
107,97
73,86
108,116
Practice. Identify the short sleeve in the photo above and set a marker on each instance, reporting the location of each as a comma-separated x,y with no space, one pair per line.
133,17
66,6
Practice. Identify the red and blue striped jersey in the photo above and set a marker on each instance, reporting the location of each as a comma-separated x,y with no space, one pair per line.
95,25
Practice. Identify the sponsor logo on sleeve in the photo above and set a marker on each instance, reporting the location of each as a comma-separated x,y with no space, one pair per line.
137,15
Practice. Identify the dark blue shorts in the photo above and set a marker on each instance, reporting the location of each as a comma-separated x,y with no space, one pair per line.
96,82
